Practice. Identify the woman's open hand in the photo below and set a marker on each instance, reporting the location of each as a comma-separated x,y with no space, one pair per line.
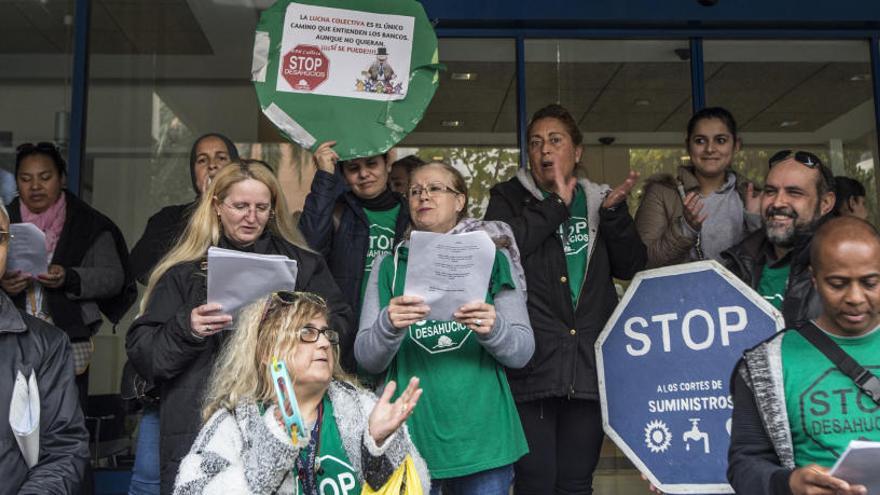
387,416
618,194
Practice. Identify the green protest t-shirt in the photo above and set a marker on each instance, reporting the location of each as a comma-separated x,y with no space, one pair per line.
575,236
825,408
382,224
466,420
774,282
336,475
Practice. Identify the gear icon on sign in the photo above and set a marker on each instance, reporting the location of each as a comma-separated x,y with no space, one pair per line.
657,436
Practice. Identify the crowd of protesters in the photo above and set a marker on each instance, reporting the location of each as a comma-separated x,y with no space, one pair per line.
512,401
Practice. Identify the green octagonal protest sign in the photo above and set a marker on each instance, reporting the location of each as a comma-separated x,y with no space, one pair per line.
358,72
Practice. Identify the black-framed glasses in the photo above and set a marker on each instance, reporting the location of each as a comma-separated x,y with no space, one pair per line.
41,146
310,334
432,189
286,298
805,158
5,235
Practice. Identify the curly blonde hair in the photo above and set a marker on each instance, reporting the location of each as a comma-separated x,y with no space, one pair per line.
204,228
266,329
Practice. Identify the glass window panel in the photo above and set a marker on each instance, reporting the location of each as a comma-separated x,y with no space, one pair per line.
798,94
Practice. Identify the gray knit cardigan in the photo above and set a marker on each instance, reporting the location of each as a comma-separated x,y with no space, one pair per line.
246,452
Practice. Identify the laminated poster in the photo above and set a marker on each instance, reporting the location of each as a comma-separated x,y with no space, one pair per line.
359,72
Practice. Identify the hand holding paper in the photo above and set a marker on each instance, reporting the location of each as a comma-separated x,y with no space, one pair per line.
449,270
858,465
27,250
236,279
404,311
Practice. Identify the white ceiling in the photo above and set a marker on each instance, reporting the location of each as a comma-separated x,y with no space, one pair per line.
195,54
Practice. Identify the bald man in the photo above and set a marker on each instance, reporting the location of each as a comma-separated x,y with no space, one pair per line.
794,411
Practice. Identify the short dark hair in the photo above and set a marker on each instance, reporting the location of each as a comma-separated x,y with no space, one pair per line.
408,162
558,112
43,148
845,188
719,113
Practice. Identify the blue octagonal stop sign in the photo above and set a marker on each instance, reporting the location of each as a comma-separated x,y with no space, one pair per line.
665,360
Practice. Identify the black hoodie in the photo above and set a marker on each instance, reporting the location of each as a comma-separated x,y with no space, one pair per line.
164,227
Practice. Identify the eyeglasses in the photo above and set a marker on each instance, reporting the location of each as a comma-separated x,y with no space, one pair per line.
311,334
805,158
432,189
243,209
41,146
5,235
308,333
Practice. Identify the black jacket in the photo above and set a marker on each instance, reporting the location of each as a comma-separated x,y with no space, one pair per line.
83,227
30,344
564,363
162,231
343,241
162,348
747,259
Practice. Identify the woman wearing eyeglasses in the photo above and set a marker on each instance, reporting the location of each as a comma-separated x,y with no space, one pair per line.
350,229
350,437
708,207
209,154
177,336
467,427
88,272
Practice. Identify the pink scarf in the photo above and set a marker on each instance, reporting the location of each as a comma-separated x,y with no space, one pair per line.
51,221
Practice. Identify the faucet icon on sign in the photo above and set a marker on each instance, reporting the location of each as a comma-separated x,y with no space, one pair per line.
695,435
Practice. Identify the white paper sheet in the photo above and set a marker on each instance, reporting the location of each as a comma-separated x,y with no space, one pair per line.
858,465
449,270
236,279
27,250
24,417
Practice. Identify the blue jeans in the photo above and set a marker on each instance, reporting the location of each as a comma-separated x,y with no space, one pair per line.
491,482
145,474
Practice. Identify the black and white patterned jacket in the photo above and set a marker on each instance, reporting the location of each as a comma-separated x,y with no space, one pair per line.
243,451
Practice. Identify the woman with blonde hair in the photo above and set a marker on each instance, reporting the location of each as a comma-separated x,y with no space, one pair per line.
350,436
177,336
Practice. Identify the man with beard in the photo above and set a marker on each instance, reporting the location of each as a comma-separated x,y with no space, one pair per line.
794,409
775,261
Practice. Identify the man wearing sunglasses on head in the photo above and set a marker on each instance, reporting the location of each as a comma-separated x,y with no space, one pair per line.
775,260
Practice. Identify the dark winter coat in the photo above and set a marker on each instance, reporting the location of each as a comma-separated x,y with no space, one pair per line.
336,226
162,231
746,260
98,278
29,344
163,349
564,362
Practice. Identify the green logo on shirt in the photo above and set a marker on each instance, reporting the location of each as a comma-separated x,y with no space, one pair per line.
835,411
577,236
439,336
337,478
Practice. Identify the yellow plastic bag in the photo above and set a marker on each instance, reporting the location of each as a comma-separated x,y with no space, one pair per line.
404,481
